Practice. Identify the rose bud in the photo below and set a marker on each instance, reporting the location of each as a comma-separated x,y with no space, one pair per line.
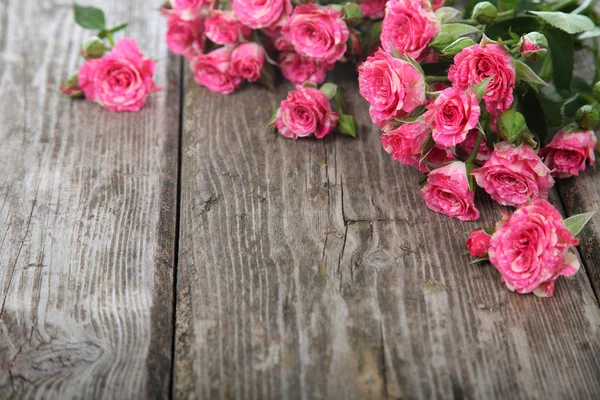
587,117
447,192
596,91
485,12
478,244
353,14
71,87
529,249
93,47
457,46
247,61
514,175
567,153
533,46
305,112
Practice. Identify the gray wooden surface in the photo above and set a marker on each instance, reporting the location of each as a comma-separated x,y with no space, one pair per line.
87,215
306,269
311,269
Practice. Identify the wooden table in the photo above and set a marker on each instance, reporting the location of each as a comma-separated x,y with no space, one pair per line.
186,251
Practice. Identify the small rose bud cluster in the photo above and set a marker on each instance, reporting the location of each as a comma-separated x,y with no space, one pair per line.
115,75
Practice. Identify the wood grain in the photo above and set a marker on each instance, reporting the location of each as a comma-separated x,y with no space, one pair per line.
582,194
312,269
87,214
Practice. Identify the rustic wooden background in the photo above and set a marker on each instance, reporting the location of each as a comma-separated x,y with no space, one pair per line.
187,252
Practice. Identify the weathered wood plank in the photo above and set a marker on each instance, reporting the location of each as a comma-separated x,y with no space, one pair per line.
582,194
87,215
311,269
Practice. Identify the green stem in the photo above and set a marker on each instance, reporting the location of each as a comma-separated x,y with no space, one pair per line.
470,21
473,156
504,15
110,39
546,69
588,97
434,79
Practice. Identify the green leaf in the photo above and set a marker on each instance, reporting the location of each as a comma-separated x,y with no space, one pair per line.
89,17
551,105
576,223
532,112
271,124
526,74
512,126
562,51
457,30
329,89
446,14
347,125
589,34
570,23
490,230
481,88
118,28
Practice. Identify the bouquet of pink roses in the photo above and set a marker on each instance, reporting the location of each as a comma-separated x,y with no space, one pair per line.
482,96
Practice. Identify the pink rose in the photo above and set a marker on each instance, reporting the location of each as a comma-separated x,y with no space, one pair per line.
299,69
189,10
184,37
408,26
212,70
452,115
247,61
567,152
305,112
119,81
447,192
514,175
405,144
224,28
477,63
478,244
530,247
317,32
436,4
260,14
466,148
373,9
393,87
